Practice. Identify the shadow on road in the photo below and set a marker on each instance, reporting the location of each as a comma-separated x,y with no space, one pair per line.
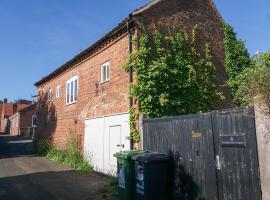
63,185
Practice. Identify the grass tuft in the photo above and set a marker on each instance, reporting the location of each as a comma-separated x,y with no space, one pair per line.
110,189
70,156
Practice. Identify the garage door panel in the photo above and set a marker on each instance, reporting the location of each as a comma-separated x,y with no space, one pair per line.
103,138
93,143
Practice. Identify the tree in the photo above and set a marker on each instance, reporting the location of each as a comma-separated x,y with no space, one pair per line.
255,80
236,58
261,59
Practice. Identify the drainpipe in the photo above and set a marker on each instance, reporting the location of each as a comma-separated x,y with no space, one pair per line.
130,51
131,68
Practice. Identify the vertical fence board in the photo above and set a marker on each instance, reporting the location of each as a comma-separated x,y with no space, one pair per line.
235,143
194,141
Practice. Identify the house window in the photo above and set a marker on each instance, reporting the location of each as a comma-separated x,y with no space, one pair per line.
72,90
49,95
105,72
58,91
34,121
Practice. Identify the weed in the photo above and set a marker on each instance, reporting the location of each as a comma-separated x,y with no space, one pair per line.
110,188
70,156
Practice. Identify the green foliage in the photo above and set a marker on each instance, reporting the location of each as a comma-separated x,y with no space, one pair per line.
173,77
134,134
236,59
70,156
43,146
252,82
261,59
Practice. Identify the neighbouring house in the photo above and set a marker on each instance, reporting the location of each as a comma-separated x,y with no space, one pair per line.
9,109
23,122
89,95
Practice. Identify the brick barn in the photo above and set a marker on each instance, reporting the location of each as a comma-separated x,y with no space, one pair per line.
89,95
23,122
9,109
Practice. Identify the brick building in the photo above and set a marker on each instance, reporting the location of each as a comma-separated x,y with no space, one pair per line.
9,109
23,122
88,95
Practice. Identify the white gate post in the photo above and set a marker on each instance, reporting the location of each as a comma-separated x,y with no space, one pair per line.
262,117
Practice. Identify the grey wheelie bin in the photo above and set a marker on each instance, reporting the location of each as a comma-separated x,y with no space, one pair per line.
152,176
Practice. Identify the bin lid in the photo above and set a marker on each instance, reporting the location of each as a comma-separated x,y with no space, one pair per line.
128,154
151,157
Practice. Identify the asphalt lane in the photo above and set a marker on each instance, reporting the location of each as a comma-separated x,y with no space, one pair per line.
25,176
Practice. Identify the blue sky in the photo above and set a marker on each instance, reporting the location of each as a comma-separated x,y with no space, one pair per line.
37,36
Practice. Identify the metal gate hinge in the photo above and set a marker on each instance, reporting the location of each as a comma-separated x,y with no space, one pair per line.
218,163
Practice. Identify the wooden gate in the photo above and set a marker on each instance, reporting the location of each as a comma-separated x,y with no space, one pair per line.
215,154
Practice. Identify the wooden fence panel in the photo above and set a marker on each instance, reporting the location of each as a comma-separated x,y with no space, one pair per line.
235,144
189,140
207,164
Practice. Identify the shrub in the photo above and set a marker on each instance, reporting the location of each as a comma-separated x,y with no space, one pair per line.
253,82
43,146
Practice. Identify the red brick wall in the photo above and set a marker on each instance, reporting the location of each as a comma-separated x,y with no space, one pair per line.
183,16
7,111
56,119
26,117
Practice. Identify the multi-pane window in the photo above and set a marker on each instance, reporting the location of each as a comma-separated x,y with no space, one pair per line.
72,90
58,91
34,121
105,72
49,95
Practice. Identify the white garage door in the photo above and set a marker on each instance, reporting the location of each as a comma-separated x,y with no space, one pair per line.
103,138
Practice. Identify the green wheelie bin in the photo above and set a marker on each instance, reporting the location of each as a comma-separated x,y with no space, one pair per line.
126,174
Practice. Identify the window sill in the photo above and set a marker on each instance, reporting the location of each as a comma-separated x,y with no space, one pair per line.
68,104
101,83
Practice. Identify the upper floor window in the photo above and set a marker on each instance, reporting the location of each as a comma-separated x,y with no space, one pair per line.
72,90
49,95
58,91
105,72
34,121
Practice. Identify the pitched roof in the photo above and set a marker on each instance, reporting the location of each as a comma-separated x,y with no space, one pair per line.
29,107
120,26
25,109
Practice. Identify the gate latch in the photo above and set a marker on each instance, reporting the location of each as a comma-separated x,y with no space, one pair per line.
218,163
121,145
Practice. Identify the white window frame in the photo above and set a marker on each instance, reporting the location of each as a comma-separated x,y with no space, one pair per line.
58,92
71,91
105,72
34,116
49,95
